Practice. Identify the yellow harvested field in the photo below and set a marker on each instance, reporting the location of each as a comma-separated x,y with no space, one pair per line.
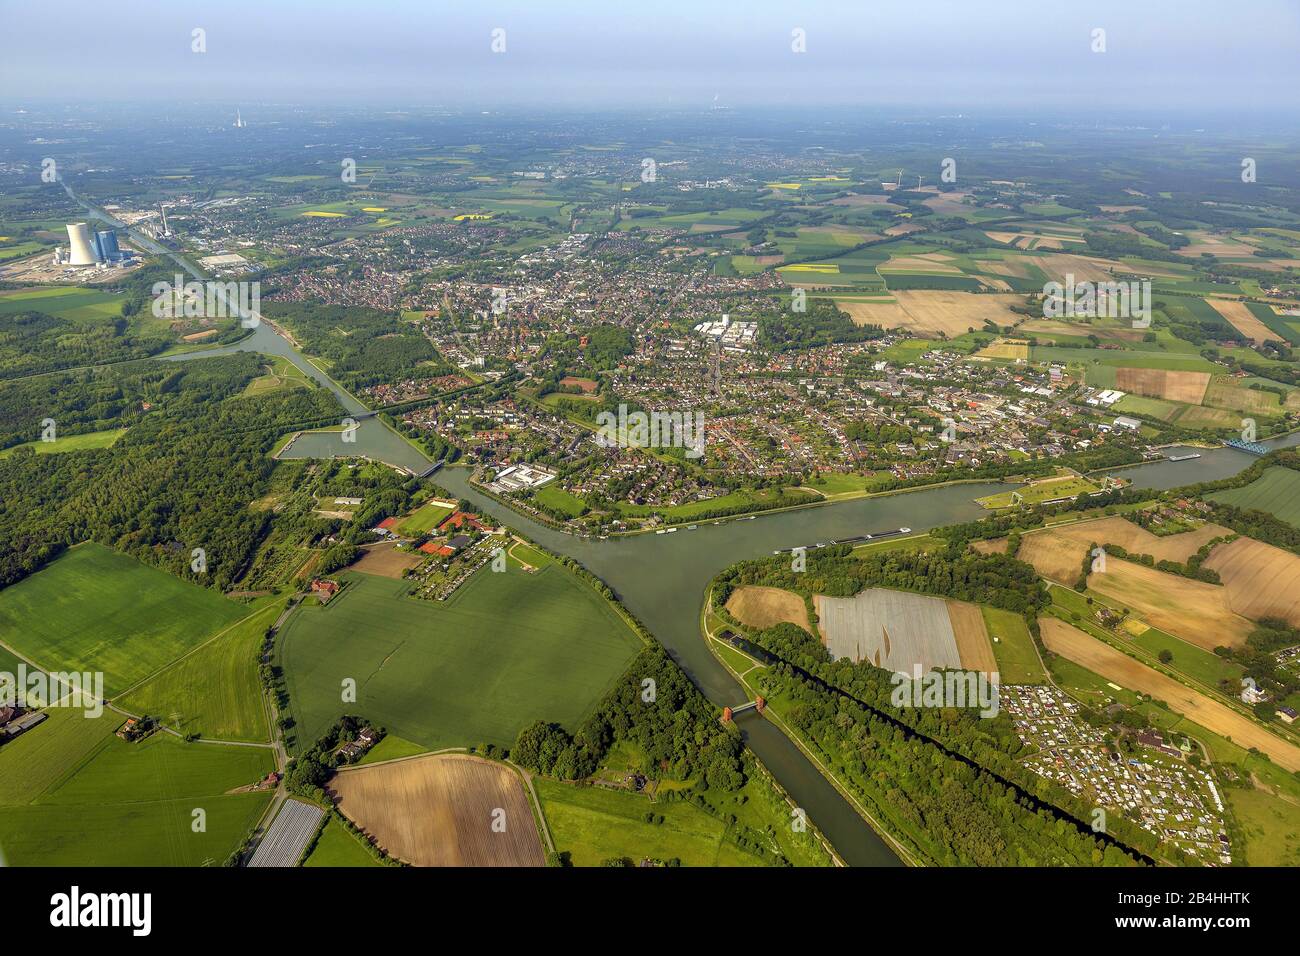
931,312
1004,267
1261,580
324,215
1243,320
1225,246
442,810
1057,553
826,268
1102,659
1197,612
972,637
1014,349
887,313
1083,268
1188,387
764,607
917,264
990,546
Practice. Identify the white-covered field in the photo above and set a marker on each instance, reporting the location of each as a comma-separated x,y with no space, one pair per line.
891,629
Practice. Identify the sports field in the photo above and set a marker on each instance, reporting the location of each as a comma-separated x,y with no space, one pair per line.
425,518
96,610
443,810
1276,491
69,784
214,691
505,650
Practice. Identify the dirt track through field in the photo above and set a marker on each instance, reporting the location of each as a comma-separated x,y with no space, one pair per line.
1102,659
442,810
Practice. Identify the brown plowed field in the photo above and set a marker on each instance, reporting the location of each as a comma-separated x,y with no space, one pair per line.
1186,387
972,637
439,810
385,561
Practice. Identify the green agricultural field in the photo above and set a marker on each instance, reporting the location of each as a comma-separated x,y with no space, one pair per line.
1276,491
594,825
557,499
77,783
1271,827
505,650
1191,660
214,691
753,500
96,610
67,302
392,747
338,847
62,443
1017,657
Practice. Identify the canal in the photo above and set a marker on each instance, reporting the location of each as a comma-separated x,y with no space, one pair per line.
662,578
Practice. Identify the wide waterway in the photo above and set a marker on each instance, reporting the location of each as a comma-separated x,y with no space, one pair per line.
662,578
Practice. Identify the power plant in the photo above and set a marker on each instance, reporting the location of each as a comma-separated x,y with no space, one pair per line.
81,251
106,245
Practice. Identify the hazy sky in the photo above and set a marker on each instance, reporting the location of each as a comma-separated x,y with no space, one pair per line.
1191,56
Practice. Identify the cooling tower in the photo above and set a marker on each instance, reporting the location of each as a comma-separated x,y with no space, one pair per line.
81,252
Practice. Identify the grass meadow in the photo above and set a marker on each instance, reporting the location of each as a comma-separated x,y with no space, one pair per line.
96,610
505,650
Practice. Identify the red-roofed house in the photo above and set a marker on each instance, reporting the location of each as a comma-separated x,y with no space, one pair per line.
459,519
